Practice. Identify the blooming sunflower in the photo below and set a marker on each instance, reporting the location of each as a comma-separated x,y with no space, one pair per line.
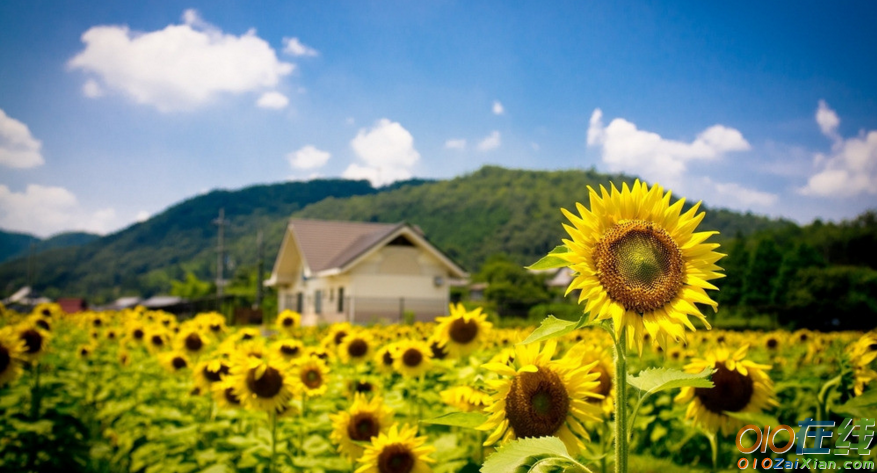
35,339
399,450
336,335
289,349
740,385
539,397
12,349
384,358
191,341
601,361
262,384
224,394
365,419
465,398
463,331
207,373
173,361
311,375
860,355
357,347
638,262
288,321
411,358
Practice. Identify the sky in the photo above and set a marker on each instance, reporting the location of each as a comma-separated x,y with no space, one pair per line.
112,111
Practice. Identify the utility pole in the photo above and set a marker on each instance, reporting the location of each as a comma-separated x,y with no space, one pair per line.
259,268
220,222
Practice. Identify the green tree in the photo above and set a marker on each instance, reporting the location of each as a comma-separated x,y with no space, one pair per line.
803,256
735,266
191,287
761,275
833,298
512,288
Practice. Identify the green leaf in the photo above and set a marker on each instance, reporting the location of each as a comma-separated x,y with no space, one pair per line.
537,455
859,406
552,327
660,379
469,420
551,261
755,418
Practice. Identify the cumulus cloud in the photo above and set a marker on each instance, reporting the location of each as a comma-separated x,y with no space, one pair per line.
626,148
46,210
272,100
498,109
294,47
455,144
308,157
490,142
92,89
850,169
733,194
142,216
179,67
387,152
18,148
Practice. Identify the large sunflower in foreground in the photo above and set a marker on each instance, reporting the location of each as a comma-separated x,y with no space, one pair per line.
740,385
639,263
540,397
463,331
397,451
364,420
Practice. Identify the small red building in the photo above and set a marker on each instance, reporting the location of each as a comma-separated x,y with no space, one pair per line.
72,305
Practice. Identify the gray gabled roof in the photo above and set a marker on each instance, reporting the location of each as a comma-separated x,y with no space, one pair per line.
327,245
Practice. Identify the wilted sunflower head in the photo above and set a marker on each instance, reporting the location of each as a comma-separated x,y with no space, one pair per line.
365,419
463,331
399,450
412,358
739,385
638,262
539,397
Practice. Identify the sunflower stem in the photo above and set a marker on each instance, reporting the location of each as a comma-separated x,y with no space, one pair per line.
621,440
273,440
714,445
301,427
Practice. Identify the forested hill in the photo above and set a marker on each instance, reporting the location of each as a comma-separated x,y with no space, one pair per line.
493,210
17,245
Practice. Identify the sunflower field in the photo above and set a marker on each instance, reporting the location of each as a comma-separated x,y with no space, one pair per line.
633,385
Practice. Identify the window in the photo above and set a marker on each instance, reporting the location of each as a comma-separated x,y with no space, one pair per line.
299,302
318,301
340,299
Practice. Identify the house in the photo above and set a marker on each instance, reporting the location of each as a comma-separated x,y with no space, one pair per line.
361,272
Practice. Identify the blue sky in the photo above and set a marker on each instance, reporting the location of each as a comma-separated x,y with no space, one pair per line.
112,111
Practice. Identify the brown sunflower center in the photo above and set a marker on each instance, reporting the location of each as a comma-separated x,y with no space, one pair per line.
396,458
802,337
605,383
639,265
357,348
732,391
5,359
387,359
194,342
247,336
772,343
287,321
214,376
97,322
230,396
463,331
339,337
363,426
412,357
179,362
215,327
359,386
43,324
33,340
289,350
438,352
537,404
82,351
266,386
138,334
312,378
157,340
46,312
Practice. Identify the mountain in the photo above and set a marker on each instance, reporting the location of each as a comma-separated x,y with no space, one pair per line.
18,245
493,210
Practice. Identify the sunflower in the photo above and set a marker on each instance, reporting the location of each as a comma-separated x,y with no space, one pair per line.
12,349
174,361
264,384
589,354
136,332
288,321
224,395
463,331
399,450
289,349
465,398
384,358
84,351
860,355
740,385
336,335
311,375
190,341
638,262
357,347
207,373
365,386
539,397
36,340
411,358
157,340
365,419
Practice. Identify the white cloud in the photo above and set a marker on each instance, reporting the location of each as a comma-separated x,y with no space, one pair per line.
294,47
387,150
627,149
18,148
850,169
455,144
490,142
92,89
46,210
498,109
308,157
827,120
734,195
142,216
272,100
180,67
